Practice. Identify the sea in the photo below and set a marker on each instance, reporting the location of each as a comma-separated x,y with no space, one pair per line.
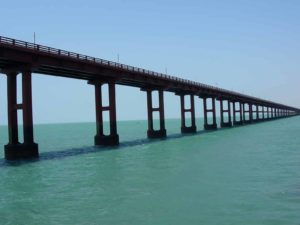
248,175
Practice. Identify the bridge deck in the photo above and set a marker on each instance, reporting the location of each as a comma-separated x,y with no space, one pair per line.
15,54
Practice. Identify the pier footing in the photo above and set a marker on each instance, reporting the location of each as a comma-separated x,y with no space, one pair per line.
226,124
188,130
152,134
210,127
238,123
21,151
108,140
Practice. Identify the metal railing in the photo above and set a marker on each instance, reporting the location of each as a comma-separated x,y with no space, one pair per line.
59,52
103,62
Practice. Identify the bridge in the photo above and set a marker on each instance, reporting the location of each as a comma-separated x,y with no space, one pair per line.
20,57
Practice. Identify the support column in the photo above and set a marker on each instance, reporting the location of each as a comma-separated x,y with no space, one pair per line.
151,133
263,113
249,111
14,149
228,111
272,113
257,113
207,126
12,109
184,128
235,121
113,137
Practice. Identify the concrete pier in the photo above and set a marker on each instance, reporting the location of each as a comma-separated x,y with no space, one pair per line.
151,133
184,128
237,120
227,112
100,138
14,149
206,110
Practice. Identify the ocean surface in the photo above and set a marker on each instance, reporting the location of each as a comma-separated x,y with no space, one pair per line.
241,176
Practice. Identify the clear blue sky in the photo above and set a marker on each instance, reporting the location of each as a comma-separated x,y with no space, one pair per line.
247,46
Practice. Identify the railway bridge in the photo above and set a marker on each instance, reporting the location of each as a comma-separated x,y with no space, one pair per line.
24,58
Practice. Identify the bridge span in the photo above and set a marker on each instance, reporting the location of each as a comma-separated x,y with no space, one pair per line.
19,57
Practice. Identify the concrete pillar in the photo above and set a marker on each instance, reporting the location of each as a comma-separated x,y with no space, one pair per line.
249,112
184,128
254,112
244,112
239,111
27,108
151,133
15,150
113,137
12,109
227,111
207,126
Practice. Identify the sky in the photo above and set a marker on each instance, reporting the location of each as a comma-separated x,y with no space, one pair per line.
247,46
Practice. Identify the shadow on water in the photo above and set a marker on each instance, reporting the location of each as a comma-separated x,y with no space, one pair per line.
61,154
55,155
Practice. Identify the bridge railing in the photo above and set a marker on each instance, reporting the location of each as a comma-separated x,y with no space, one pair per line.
55,51
63,53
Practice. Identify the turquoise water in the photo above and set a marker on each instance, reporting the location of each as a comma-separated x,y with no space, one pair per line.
246,175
